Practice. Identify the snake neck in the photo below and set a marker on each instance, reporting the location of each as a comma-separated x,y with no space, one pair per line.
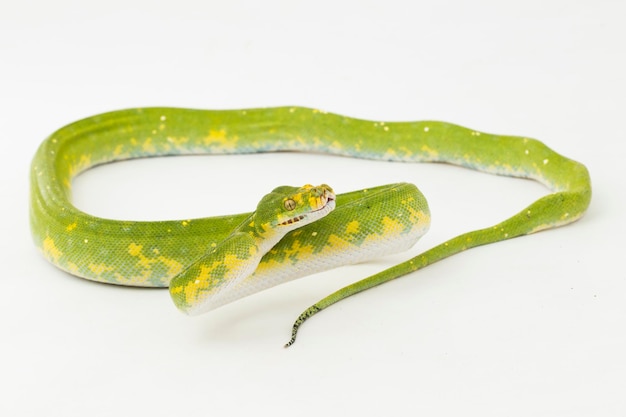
264,235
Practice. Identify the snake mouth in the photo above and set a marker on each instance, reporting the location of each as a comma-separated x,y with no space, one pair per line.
328,205
293,220
330,201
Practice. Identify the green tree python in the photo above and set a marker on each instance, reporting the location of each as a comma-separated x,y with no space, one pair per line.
295,231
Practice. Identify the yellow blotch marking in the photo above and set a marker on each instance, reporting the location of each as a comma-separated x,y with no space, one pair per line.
71,227
315,202
133,280
391,226
415,215
266,264
177,141
50,250
173,266
118,150
232,261
84,162
337,243
148,146
218,138
298,142
134,249
267,227
430,152
202,282
390,154
352,227
99,269
298,251
407,152
205,273
145,262
508,168
72,267
205,281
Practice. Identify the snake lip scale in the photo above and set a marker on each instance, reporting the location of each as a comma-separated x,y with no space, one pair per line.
294,231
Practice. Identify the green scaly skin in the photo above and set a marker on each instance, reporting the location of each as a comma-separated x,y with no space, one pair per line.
164,252
201,287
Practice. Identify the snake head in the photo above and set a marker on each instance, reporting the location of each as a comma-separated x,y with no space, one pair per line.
287,208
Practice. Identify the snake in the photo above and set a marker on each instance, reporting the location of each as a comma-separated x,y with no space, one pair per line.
295,230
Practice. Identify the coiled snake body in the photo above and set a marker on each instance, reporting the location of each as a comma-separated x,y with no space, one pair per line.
295,231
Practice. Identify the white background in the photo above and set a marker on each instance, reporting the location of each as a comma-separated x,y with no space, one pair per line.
530,327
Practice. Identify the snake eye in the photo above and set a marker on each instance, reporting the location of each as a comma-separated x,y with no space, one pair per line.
289,204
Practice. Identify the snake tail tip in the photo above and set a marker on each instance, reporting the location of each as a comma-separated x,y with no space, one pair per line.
301,319
294,333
